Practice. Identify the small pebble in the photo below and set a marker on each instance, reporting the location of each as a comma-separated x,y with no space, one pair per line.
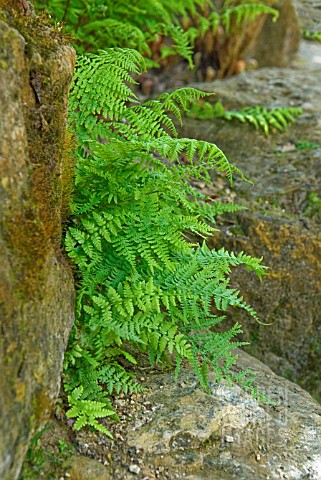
229,439
134,469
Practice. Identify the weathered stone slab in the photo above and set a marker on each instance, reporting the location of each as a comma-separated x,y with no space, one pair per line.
177,430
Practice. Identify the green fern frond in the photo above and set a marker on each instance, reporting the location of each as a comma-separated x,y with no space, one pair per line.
116,33
183,42
260,117
106,24
202,156
86,412
180,100
245,13
309,35
117,379
105,75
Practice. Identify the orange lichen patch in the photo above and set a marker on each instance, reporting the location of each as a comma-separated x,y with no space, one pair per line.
268,237
309,247
290,240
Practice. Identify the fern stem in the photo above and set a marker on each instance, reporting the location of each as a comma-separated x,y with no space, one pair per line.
66,10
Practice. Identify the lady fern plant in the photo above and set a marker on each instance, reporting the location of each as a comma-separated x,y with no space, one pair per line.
162,28
118,23
144,282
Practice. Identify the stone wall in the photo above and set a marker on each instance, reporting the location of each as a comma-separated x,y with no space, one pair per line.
36,284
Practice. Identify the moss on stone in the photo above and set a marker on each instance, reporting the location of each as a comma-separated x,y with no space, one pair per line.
36,285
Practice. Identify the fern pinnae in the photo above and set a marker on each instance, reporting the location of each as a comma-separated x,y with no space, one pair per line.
259,117
245,12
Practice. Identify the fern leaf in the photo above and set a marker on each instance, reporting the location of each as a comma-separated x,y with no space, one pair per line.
245,12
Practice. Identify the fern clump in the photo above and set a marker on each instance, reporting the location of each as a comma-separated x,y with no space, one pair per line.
260,117
162,28
143,283
108,23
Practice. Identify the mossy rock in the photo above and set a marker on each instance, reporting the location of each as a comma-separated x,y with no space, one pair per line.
36,284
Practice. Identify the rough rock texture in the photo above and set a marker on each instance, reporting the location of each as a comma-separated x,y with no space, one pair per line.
283,222
309,14
278,41
176,430
36,286
84,468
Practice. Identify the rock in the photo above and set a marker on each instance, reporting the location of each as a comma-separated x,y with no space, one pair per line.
36,284
278,41
85,468
281,224
188,432
134,469
309,14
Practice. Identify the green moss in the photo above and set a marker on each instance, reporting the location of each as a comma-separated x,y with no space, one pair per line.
33,231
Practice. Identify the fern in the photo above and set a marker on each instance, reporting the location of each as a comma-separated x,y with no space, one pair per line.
309,35
107,23
260,117
237,15
87,412
142,282
153,27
